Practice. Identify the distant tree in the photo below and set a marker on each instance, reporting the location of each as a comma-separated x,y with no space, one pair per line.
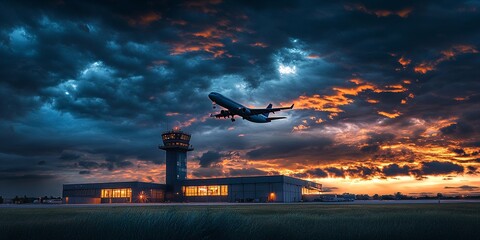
400,196
1,199
376,197
388,197
439,195
362,197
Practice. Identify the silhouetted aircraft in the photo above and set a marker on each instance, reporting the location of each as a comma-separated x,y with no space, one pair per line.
251,114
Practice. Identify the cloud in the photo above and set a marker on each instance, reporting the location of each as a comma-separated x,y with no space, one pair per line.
209,159
247,172
317,173
448,54
394,169
440,168
463,188
405,12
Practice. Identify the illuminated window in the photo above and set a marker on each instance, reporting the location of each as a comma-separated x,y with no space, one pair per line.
309,191
224,190
211,190
117,193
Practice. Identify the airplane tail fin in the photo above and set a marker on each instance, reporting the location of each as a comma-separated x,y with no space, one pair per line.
269,106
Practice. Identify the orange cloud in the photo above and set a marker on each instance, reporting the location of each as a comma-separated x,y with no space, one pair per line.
212,32
210,39
423,68
404,61
206,46
397,88
390,115
448,54
159,62
342,96
145,20
379,12
179,22
300,127
169,114
372,101
204,6
313,56
259,44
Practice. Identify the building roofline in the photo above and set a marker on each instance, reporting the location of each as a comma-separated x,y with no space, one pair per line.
123,182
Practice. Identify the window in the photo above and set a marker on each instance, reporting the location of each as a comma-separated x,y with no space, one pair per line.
117,193
212,190
310,191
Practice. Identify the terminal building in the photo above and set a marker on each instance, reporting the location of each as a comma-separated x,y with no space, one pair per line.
178,188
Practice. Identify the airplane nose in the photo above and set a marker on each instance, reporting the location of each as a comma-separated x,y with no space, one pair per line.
211,96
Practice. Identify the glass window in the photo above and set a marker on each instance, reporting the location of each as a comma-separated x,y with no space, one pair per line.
309,191
224,190
211,190
116,193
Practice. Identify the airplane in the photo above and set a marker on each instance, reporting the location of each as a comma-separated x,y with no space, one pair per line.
251,114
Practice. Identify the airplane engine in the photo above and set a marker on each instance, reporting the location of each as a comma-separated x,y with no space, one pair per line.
225,113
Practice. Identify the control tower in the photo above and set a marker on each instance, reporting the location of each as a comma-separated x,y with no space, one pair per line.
176,143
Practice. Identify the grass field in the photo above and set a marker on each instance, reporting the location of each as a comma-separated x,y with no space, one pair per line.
289,221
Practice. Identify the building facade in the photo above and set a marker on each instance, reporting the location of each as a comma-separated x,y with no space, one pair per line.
178,188
113,192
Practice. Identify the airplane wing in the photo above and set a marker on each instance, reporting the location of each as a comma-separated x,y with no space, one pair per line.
256,111
222,114
274,118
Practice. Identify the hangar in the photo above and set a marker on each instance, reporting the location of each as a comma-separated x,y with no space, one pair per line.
178,188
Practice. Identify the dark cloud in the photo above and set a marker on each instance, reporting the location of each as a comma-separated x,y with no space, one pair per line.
88,164
370,148
317,173
440,168
292,147
464,188
26,177
335,172
70,155
458,129
210,158
248,172
329,189
395,170
208,172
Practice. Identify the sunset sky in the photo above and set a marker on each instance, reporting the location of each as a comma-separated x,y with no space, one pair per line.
386,93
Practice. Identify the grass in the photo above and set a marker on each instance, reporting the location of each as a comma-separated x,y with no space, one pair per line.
289,221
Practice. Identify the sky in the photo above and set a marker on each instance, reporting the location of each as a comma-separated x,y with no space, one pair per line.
386,93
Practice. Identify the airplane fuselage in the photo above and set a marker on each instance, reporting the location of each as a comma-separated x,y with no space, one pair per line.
237,108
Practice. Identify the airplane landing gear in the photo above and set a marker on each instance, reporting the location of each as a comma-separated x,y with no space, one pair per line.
214,105
233,119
